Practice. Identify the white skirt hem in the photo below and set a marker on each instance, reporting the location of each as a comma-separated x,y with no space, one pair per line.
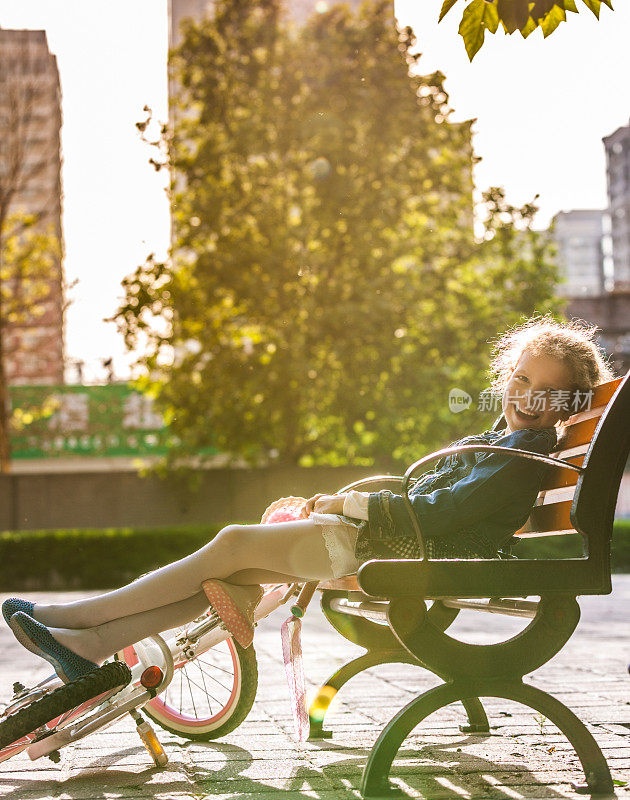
340,538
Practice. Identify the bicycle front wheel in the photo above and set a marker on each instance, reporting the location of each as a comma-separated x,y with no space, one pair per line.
210,695
60,707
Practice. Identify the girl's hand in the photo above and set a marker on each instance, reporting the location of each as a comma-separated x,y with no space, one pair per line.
309,505
324,504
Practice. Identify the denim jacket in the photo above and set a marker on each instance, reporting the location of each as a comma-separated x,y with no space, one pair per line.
468,506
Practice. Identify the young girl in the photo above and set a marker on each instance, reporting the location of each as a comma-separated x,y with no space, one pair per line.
467,507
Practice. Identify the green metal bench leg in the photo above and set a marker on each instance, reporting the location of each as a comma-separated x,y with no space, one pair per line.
375,782
477,719
328,690
598,779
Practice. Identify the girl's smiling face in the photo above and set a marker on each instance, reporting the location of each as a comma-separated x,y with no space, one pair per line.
528,399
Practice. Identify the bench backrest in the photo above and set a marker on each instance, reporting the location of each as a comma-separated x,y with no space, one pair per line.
597,438
597,489
552,512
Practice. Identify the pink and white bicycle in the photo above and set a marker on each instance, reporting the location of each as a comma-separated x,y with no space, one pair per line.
195,682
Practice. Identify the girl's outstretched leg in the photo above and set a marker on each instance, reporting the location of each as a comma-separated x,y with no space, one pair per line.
289,548
102,641
74,652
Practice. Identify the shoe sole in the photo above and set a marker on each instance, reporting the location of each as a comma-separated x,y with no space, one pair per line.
25,640
7,614
239,625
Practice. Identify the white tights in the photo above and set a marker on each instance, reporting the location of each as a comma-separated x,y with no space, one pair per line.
97,627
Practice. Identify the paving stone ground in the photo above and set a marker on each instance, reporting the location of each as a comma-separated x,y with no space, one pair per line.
523,757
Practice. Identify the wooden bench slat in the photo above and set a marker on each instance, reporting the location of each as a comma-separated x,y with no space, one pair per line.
580,427
553,517
593,411
556,478
523,534
603,392
571,453
548,496
580,432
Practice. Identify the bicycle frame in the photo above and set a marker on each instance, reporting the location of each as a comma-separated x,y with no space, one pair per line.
168,654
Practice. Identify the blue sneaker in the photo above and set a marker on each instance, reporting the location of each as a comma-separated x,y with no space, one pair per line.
13,605
39,640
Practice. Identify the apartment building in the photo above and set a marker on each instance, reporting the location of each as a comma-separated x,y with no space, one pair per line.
579,237
618,174
30,177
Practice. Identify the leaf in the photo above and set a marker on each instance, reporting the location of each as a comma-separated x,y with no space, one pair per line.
569,5
608,3
529,28
593,5
491,17
541,8
472,28
513,14
552,20
446,7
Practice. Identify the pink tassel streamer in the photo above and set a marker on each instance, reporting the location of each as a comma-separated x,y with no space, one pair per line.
292,653
284,510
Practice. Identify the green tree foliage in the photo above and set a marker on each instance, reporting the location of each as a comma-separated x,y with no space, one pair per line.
518,260
27,249
325,290
524,16
29,262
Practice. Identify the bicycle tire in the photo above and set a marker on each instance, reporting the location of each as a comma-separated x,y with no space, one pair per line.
63,699
244,688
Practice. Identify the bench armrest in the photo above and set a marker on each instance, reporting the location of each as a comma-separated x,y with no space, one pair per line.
372,479
487,448
470,448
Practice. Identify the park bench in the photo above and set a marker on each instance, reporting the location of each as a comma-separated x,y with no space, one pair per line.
384,610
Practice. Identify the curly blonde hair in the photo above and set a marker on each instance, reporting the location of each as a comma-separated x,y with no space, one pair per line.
570,342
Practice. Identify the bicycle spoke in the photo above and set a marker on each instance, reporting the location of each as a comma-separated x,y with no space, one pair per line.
191,696
207,694
216,666
194,696
205,689
191,681
211,677
181,694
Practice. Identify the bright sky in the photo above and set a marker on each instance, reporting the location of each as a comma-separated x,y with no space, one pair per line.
542,108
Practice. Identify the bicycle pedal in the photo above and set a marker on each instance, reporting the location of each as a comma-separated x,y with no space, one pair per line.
150,740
